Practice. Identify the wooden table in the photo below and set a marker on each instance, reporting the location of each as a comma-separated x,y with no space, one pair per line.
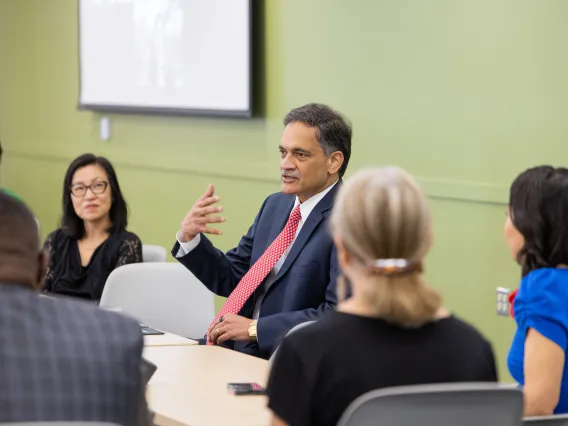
167,339
190,387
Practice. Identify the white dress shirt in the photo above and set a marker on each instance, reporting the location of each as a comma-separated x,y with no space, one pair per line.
305,209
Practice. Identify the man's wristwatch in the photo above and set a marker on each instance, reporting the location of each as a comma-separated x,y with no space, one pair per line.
252,330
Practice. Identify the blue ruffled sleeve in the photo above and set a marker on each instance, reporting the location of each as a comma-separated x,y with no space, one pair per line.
542,304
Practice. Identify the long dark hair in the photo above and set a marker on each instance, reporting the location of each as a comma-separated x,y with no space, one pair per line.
72,224
538,206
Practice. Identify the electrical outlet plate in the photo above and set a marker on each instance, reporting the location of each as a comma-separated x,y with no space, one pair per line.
503,301
105,129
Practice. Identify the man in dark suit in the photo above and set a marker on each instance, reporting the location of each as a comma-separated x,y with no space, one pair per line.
284,269
60,360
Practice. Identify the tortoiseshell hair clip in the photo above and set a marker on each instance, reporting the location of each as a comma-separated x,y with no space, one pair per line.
391,267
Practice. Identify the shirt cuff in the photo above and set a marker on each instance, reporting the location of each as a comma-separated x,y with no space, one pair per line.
187,247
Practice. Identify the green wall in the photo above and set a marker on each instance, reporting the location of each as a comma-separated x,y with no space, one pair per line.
462,94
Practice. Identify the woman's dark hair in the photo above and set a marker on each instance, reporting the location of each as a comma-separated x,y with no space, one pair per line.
72,224
538,206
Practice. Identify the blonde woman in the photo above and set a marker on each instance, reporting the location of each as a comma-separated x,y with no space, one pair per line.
393,330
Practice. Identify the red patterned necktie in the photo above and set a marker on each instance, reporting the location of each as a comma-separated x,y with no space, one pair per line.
256,275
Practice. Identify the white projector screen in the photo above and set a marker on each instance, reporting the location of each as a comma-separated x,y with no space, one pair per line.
166,56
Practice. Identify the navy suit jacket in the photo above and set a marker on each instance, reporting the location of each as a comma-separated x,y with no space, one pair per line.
305,285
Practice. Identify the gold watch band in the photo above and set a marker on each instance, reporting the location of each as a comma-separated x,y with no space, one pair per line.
252,330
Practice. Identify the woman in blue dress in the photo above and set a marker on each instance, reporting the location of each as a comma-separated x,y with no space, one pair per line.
536,231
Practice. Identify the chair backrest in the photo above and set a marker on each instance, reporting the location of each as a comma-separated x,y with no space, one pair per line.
161,295
292,330
152,253
463,404
557,420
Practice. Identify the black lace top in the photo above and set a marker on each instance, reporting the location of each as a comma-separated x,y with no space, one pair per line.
66,275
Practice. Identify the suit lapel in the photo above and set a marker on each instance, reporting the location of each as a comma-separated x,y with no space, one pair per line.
315,217
307,229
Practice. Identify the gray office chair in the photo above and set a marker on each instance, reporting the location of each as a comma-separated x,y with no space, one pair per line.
463,404
152,253
558,420
162,295
292,330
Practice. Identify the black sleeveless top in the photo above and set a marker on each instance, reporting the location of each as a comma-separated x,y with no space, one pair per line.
65,273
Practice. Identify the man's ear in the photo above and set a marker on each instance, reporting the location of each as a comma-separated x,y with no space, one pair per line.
335,161
42,262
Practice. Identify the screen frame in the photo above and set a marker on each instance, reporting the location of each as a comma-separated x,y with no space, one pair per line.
174,111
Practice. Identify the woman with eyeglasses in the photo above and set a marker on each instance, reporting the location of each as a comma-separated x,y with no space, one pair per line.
92,240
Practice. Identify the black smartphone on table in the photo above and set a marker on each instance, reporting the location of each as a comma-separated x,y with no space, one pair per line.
149,331
246,389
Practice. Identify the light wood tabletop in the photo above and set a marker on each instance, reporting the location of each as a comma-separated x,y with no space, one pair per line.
167,339
189,387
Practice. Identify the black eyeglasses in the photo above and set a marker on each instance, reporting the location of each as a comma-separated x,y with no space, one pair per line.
79,190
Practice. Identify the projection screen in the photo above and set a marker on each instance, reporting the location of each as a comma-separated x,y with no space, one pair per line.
166,56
